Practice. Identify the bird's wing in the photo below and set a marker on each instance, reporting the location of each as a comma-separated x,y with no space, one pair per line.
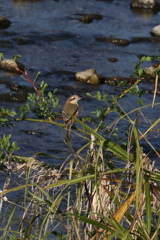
68,111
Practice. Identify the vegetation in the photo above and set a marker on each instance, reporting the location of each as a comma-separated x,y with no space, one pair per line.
110,193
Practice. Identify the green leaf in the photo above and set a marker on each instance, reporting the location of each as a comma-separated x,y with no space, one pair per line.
148,58
98,95
50,95
15,146
94,223
16,57
89,95
140,72
3,120
104,97
148,205
140,101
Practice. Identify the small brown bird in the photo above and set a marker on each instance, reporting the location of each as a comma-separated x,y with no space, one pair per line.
70,109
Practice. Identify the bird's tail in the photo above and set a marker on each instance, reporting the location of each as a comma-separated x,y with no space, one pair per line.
68,133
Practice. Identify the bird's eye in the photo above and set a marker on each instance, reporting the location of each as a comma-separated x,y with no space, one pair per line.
73,98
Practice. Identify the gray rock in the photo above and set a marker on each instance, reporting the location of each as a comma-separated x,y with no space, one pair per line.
11,65
4,22
156,31
89,76
116,41
150,71
152,4
112,59
88,18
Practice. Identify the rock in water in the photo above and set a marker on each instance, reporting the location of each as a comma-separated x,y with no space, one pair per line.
151,4
89,76
4,22
156,31
12,66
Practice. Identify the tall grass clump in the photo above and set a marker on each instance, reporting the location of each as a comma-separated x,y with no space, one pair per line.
107,189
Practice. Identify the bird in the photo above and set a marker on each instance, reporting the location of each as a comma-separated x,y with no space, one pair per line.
70,109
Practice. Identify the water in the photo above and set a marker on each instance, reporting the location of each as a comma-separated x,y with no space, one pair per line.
51,39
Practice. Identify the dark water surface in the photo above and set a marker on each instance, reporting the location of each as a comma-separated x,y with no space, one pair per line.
51,39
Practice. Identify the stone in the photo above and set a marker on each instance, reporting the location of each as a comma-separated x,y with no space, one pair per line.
156,31
151,4
89,76
4,22
88,18
112,59
116,41
12,66
150,71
